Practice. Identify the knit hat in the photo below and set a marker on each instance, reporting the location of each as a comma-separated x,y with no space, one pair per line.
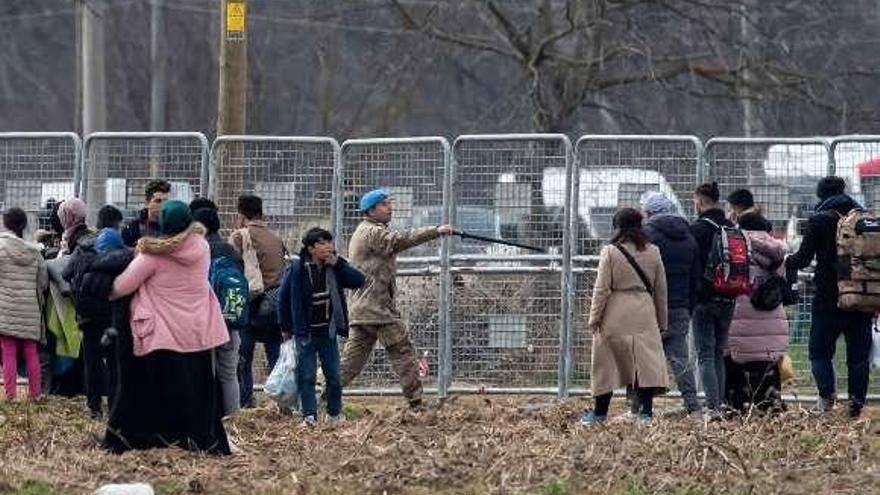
655,202
175,217
373,198
108,240
207,217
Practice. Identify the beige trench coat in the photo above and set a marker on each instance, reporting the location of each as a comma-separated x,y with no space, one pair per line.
627,321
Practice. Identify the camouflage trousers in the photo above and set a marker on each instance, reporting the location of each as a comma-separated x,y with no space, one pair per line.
401,353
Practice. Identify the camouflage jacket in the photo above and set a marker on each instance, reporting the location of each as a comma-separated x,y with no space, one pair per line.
373,249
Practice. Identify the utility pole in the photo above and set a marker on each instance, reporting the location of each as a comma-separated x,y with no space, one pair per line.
232,105
94,108
157,83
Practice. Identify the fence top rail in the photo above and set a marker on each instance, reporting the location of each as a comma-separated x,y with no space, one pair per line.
39,135
641,137
512,137
768,140
148,135
236,138
397,140
853,138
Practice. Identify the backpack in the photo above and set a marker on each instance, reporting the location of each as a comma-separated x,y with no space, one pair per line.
858,262
727,269
770,290
231,288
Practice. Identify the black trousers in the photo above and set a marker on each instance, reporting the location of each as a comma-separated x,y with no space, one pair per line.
757,384
98,365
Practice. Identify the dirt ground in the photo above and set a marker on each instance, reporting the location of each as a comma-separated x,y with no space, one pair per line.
468,445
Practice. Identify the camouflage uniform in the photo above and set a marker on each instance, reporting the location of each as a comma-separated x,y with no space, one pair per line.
373,310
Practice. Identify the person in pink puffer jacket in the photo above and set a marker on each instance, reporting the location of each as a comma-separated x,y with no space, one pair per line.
758,339
176,322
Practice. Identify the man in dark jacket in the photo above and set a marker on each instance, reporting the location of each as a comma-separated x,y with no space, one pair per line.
681,259
829,321
712,312
312,308
205,212
147,222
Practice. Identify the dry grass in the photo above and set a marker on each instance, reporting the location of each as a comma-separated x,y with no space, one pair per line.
469,445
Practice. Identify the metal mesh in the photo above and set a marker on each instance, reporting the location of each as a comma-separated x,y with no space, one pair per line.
294,176
118,166
613,172
506,306
782,174
37,169
412,171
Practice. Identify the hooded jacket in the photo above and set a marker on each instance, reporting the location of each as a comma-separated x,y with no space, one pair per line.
681,258
704,233
820,242
758,335
23,278
174,307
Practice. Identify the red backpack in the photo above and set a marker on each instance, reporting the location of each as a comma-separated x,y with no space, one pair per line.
727,268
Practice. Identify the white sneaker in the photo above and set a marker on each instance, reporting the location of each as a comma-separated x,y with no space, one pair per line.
339,418
233,448
309,421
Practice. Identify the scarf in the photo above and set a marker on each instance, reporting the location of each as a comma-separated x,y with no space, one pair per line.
72,215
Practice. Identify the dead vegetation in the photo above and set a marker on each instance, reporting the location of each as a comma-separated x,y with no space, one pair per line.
474,444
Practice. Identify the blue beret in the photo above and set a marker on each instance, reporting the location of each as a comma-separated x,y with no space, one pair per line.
373,198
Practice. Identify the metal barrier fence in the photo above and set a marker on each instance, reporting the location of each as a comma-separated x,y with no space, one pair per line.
490,318
415,172
38,169
613,172
506,307
118,165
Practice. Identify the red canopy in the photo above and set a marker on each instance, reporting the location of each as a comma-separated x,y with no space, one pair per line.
869,168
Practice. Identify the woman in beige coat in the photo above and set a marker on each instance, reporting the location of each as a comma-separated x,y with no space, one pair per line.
627,317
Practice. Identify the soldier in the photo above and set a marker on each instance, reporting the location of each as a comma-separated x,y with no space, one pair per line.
373,310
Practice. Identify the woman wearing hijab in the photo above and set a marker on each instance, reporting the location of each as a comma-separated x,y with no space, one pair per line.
175,323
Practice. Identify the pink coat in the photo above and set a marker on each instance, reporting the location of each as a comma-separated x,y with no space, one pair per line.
759,335
174,307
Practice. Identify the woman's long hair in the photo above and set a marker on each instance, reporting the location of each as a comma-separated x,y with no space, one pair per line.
627,225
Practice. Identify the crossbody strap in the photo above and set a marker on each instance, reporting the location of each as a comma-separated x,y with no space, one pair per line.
637,268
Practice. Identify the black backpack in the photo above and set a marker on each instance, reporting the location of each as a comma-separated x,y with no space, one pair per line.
770,290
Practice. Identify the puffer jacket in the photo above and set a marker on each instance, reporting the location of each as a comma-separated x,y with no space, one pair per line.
681,258
373,249
759,335
96,284
174,307
23,280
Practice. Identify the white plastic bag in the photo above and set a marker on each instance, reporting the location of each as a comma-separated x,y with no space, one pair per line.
875,346
281,384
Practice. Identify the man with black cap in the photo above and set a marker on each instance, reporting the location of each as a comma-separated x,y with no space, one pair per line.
373,312
829,321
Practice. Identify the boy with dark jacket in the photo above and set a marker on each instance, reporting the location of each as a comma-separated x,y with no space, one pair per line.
713,312
312,308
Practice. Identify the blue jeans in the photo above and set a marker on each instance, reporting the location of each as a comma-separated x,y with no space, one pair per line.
675,345
711,326
246,363
856,330
307,350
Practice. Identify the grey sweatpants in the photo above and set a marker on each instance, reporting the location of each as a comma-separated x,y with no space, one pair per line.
227,373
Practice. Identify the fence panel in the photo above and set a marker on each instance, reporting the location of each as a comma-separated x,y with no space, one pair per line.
36,170
613,172
414,172
118,165
295,176
507,314
782,174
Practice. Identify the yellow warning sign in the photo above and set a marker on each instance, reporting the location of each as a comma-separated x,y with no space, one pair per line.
235,17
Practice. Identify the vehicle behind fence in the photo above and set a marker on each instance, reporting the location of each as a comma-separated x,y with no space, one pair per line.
486,316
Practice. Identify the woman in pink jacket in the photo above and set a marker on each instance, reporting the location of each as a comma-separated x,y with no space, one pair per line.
758,337
175,324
